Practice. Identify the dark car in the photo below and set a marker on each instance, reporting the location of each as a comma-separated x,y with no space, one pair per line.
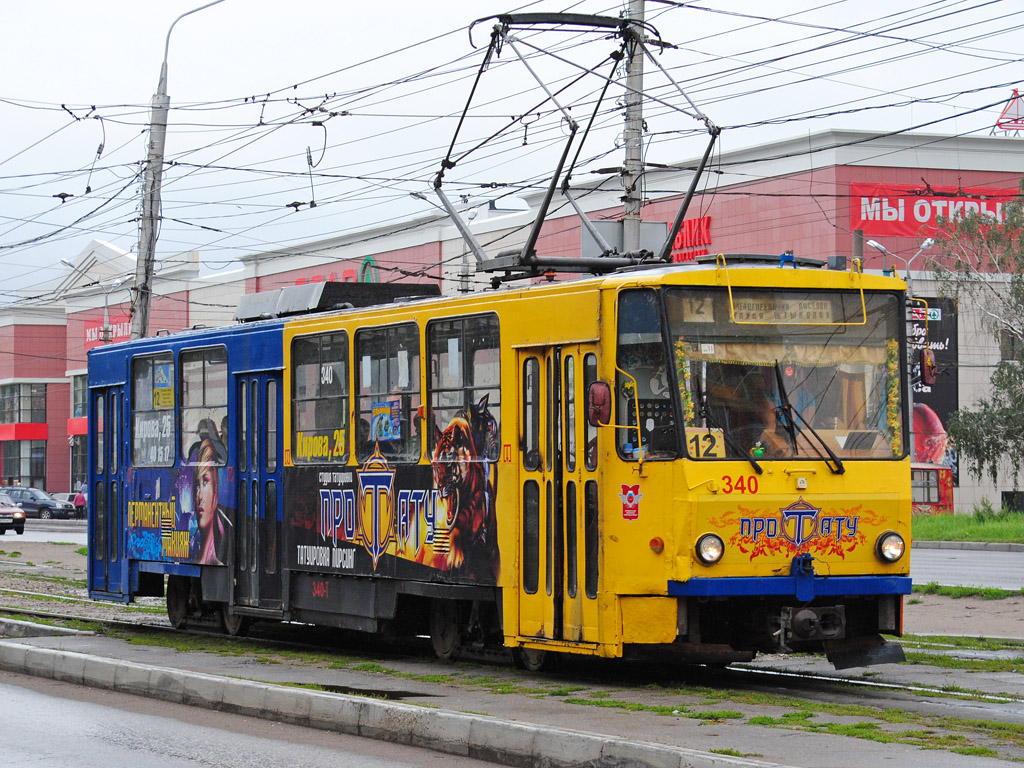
11,515
38,503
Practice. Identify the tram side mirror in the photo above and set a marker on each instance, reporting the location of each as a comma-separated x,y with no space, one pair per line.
599,404
928,367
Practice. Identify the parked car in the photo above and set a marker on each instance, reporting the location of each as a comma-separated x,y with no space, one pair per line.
11,516
38,503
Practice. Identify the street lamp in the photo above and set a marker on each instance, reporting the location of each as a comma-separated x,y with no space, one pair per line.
928,243
151,192
106,334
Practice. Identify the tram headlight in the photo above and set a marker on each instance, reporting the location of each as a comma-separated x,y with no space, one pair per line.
890,547
710,548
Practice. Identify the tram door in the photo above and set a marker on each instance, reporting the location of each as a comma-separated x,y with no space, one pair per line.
107,572
257,557
557,524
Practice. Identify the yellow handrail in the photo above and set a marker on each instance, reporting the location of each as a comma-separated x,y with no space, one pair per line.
723,269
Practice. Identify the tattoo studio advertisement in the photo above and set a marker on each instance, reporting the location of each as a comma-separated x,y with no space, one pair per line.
934,328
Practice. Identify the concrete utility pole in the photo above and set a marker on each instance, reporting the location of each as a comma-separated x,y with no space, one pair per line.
632,170
151,193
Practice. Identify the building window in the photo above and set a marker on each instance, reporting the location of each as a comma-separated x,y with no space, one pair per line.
23,404
23,462
79,462
79,396
1010,346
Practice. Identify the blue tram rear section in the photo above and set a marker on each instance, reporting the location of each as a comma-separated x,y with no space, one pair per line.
184,465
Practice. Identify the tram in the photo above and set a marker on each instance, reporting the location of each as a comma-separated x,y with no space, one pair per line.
691,462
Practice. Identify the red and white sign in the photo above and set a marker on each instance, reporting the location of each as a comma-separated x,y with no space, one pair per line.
900,210
630,497
693,233
120,330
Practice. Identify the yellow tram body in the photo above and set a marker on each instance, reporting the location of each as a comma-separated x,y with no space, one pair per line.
597,524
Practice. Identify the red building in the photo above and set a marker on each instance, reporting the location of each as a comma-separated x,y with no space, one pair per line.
843,193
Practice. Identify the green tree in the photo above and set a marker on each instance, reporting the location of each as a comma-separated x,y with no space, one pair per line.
983,267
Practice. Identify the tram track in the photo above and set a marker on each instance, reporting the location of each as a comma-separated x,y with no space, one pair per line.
572,671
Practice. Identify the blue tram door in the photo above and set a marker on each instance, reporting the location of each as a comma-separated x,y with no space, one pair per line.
258,532
108,574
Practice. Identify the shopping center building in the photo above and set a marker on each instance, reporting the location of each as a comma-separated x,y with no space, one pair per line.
846,193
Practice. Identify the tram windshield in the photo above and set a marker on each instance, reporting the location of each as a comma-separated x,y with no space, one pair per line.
761,374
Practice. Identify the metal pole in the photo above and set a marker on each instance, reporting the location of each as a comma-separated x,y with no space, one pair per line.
632,171
151,192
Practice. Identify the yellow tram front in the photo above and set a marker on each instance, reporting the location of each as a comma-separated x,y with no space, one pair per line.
759,477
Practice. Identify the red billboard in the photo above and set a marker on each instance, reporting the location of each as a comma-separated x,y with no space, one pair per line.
900,210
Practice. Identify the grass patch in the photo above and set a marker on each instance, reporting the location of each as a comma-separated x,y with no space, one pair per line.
984,525
735,753
83,551
966,665
957,642
982,593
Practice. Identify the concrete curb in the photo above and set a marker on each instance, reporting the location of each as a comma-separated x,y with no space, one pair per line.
477,736
985,546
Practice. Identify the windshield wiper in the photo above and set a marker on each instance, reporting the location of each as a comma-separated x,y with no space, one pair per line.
833,462
730,441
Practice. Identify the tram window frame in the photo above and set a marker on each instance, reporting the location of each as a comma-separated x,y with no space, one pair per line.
203,383
531,414
590,430
317,435
531,537
99,452
388,377
641,351
465,368
162,415
591,539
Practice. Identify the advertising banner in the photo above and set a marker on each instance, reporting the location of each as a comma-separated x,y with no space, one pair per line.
901,210
934,328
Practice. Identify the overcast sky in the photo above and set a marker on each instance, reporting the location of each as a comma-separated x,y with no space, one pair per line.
370,93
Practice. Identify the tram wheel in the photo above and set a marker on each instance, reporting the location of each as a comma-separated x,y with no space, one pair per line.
445,632
178,589
234,624
531,659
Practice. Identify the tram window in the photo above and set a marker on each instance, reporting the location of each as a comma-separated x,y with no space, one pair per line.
320,399
589,377
100,526
388,380
243,427
115,519
243,513
270,528
100,453
531,537
465,379
153,439
271,421
590,539
570,538
643,383
204,404
549,513
115,433
531,414
570,413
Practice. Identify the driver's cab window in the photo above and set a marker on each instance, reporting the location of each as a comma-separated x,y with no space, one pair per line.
643,382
